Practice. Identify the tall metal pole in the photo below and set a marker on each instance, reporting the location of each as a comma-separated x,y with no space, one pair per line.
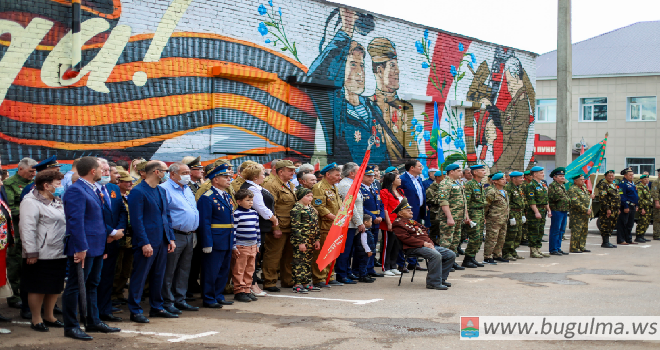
563,155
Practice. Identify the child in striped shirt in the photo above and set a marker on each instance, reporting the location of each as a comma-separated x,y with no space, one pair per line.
247,242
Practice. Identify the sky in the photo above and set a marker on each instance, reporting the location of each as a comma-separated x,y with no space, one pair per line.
522,24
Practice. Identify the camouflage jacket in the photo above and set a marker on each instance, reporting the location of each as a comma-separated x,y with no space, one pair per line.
558,197
304,225
451,193
326,201
433,197
516,196
474,194
645,200
655,191
608,196
536,193
579,199
497,205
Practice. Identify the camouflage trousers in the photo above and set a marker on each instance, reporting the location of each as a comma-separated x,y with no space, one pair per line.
535,227
656,223
607,225
450,236
302,265
495,235
579,227
474,234
523,230
513,233
643,221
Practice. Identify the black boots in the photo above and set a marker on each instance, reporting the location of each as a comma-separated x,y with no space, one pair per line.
459,251
467,262
606,242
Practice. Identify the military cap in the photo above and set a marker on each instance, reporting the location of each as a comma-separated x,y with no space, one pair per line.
389,169
643,177
493,174
626,170
209,167
516,174
331,166
609,172
302,192
451,167
477,167
120,168
125,176
658,170
439,173
284,164
140,165
403,205
47,163
222,169
527,172
535,169
497,176
558,171
381,50
369,171
576,176
192,162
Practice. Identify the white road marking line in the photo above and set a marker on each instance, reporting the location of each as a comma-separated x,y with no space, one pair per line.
177,337
355,302
21,322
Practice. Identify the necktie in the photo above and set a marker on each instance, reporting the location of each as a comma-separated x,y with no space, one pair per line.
98,192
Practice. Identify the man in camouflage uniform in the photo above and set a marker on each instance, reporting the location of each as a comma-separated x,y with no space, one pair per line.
579,213
196,170
516,213
305,236
610,202
645,208
475,199
432,201
559,203
327,203
655,195
452,213
536,193
527,178
496,211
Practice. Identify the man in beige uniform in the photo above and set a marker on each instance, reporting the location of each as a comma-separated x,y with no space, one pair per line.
327,203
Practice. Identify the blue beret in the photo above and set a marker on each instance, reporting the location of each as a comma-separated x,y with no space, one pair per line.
444,173
451,167
389,169
328,168
498,176
370,170
439,173
536,168
47,163
516,174
222,169
478,166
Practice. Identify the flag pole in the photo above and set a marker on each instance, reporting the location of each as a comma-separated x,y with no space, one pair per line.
372,140
591,200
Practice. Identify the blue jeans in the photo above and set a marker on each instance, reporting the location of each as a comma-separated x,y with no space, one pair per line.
92,275
342,265
557,229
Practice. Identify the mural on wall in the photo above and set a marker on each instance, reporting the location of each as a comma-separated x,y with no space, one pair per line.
152,89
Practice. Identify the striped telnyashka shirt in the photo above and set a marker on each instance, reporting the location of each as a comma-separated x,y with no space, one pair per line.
246,222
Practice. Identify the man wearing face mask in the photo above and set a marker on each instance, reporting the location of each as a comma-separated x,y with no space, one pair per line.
115,218
185,220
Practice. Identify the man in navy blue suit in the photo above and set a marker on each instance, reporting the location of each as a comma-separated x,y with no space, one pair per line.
115,217
413,188
153,239
83,206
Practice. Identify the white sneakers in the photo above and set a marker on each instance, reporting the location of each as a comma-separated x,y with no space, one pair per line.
395,271
389,273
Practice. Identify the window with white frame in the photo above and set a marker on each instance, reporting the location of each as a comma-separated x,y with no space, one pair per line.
593,109
546,110
640,165
642,108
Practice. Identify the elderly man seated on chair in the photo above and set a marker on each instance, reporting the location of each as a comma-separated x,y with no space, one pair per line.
415,239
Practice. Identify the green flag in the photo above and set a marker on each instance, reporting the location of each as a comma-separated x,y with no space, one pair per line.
588,163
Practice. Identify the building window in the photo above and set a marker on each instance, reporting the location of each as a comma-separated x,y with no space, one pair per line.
640,165
593,109
546,110
642,109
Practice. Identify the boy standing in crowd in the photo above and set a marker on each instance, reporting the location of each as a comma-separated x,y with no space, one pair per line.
246,246
305,234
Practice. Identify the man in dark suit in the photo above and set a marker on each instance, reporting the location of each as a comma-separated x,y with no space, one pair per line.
413,188
153,238
85,245
115,217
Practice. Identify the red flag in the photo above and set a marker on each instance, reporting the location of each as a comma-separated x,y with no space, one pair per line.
588,181
335,242
317,165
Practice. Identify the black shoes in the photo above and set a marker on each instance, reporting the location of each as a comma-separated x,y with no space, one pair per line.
376,274
366,279
57,310
377,264
440,287
5,319
225,302
335,283
606,243
171,309
501,259
185,307
403,270
352,276
490,261
242,297
553,253
110,318
347,281
77,334
16,304
563,252
39,327
252,296
640,239
162,313
26,315
212,306
101,328
459,251
585,251
457,268
139,318
272,289
444,282
467,262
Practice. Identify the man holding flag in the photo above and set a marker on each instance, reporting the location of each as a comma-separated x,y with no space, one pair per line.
349,190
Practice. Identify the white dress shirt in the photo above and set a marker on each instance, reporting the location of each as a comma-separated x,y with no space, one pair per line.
258,201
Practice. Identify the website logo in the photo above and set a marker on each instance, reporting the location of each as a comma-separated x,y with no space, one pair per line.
469,327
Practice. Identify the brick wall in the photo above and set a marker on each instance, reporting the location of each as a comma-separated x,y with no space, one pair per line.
257,80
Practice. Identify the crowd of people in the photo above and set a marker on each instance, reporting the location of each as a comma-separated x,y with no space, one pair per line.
106,234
